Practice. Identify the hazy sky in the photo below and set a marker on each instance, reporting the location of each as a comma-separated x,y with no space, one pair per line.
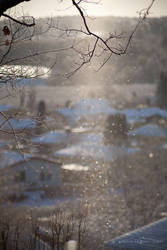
106,7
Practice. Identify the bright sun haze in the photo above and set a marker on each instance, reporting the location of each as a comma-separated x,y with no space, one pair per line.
39,8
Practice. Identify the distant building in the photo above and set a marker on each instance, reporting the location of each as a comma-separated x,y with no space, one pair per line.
35,172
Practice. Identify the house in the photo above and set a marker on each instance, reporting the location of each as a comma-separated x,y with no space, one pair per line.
35,172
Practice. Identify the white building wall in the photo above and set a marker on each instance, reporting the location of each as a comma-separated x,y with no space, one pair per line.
40,172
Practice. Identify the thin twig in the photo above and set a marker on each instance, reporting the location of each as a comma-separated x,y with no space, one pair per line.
20,22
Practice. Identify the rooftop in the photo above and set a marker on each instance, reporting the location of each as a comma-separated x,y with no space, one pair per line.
150,237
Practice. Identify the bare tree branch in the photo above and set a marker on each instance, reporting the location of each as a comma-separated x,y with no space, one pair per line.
13,131
9,48
21,22
121,50
99,46
7,4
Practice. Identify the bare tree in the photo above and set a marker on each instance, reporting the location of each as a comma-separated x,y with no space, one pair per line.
16,34
21,30
99,42
98,47
5,5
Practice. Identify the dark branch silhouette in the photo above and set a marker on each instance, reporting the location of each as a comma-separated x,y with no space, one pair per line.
7,4
21,22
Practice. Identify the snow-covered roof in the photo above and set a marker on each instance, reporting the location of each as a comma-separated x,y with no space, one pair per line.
35,158
150,130
90,107
134,115
5,107
55,136
92,145
150,237
17,124
9,157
